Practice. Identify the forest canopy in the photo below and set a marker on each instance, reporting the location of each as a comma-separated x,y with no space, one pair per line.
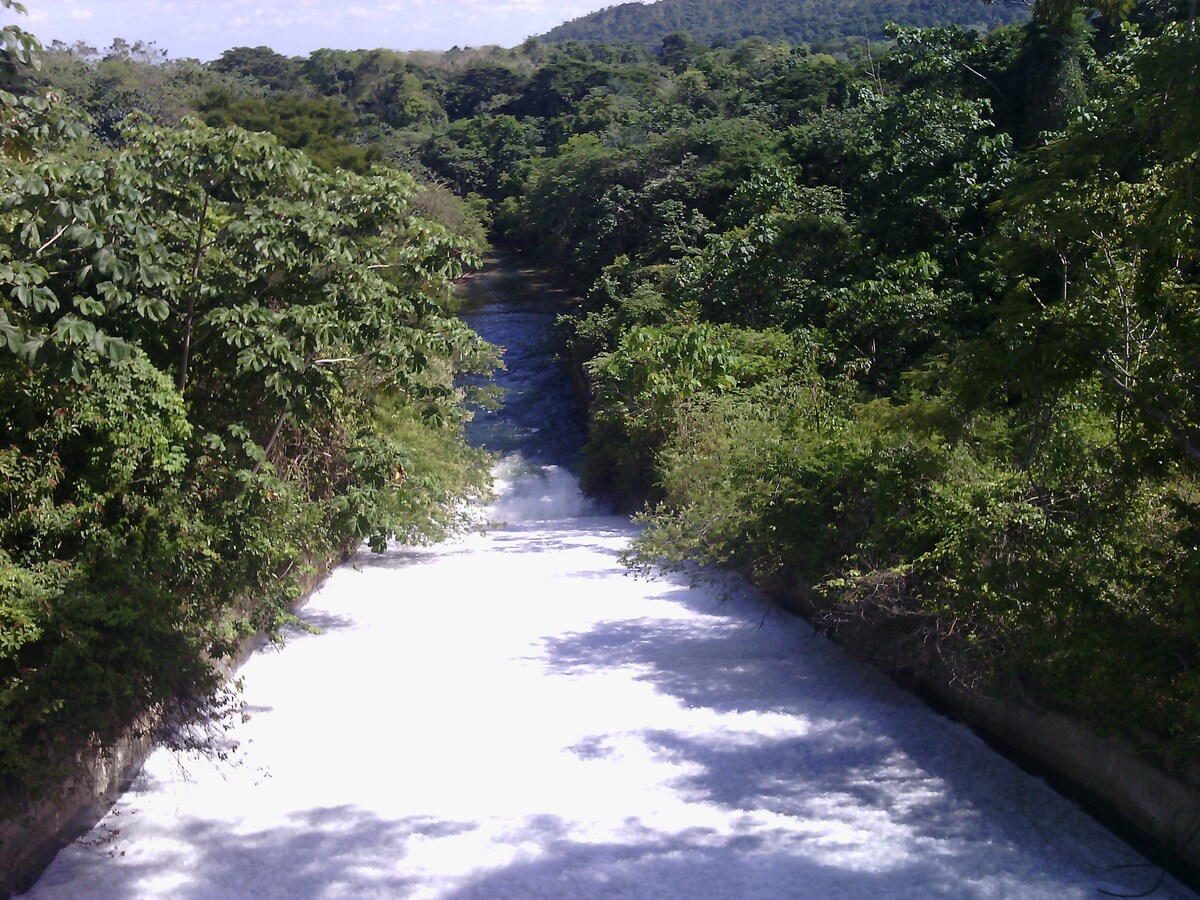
807,22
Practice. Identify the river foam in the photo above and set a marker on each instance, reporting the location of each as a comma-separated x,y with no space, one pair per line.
528,492
512,715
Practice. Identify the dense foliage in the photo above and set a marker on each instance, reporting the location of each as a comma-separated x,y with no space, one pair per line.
810,22
220,368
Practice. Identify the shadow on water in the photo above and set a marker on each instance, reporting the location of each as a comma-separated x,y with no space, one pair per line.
841,745
689,865
402,557
506,281
346,851
338,851
349,852
314,621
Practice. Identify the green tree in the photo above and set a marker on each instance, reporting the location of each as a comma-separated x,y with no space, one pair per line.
483,154
270,69
322,128
220,366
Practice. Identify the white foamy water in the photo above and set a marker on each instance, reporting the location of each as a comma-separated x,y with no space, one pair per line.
527,492
512,716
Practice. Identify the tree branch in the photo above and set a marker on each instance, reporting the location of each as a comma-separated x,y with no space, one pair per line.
1154,412
40,250
271,443
193,289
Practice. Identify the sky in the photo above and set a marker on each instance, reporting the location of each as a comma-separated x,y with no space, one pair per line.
185,28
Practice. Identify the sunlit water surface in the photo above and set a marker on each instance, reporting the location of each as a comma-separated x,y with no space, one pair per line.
511,715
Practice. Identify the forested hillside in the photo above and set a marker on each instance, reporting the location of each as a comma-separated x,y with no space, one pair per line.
912,338
794,21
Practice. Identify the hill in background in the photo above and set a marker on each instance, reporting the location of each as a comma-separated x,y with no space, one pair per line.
794,21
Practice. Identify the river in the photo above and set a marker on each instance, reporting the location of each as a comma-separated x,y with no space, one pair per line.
511,715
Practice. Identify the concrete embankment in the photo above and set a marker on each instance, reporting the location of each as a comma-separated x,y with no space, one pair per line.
1156,809
1104,772
30,840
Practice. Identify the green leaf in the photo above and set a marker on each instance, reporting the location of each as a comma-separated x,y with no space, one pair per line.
74,330
153,308
81,235
29,350
254,451
104,260
13,337
89,306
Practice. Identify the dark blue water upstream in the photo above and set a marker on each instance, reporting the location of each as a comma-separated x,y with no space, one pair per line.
538,431
540,418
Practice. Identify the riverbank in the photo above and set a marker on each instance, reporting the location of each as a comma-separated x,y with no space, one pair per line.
30,840
1124,784
1156,810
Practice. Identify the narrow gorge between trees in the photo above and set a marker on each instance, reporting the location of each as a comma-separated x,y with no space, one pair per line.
512,714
